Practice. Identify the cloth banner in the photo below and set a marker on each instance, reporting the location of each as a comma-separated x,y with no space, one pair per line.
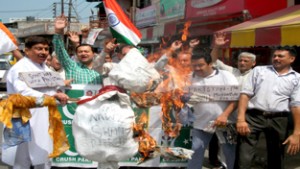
154,127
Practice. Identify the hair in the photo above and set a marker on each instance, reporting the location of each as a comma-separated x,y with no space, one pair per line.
292,51
33,40
184,52
199,54
84,44
121,47
247,54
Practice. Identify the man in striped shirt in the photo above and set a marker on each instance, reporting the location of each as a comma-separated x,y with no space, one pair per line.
80,72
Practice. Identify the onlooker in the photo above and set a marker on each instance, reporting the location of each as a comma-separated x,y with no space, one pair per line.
36,151
246,61
268,96
206,112
81,72
57,67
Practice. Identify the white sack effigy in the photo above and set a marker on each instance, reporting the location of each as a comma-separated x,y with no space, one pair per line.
134,73
102,128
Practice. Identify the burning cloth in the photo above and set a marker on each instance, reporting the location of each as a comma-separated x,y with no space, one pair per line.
102,127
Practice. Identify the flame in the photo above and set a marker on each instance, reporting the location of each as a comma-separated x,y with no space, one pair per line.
185,31
147,144
171,101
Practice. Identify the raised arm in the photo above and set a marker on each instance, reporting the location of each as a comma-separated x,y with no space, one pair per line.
163,61
59,46
74,38
109,47
219,41
192,44
17,54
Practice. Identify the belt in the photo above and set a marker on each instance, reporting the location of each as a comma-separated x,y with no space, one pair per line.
267,114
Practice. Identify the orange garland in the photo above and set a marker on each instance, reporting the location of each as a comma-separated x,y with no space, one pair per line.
17,106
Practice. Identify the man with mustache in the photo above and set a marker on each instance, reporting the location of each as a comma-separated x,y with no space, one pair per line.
270,94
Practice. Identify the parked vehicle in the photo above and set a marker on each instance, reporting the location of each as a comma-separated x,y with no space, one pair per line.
5,65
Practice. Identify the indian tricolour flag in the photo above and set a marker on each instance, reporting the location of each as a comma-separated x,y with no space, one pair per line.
7,40
120,26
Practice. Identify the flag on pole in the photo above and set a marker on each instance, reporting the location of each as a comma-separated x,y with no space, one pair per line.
7,40
120,25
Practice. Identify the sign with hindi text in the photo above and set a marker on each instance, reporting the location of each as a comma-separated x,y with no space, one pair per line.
218,93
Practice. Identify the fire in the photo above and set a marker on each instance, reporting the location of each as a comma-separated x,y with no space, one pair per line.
171,101
147,144
185,31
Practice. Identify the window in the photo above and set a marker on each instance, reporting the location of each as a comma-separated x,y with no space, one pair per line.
143,3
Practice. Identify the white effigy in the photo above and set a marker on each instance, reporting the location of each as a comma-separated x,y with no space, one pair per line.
134,73
102,129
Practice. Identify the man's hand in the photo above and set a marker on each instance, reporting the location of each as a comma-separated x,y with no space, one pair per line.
74,37
68,82
60,23
176,45
85,32
193,43
194,98
221,121
243,128
61,97
293,144
110,46
220,39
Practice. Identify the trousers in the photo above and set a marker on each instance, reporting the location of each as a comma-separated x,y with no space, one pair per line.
22,160
275,128
200,142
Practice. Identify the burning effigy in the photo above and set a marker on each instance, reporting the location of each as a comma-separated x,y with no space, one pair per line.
105,124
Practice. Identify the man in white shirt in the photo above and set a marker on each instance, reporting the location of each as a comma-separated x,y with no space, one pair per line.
35,152
246,60
218,111
270,94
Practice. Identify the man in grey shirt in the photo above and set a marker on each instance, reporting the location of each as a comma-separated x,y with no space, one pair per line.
270,94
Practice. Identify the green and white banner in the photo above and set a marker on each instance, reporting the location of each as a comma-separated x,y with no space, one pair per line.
154,127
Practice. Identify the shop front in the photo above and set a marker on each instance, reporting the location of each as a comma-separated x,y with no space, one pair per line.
210,16
262,34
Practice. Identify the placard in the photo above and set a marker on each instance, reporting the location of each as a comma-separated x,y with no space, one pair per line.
93,34
42,79
218,92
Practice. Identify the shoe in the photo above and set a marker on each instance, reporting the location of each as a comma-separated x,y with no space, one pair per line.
217,165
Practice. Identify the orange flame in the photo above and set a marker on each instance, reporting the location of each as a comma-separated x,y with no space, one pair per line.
147,143
171,100
185,31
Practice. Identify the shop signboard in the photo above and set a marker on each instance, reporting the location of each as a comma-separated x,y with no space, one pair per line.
207,8
146,16
171,9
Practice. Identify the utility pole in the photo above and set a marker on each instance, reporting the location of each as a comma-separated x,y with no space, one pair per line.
54,10
62,7
133,11
69,15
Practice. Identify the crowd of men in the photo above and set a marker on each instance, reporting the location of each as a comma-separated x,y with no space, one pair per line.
269,97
